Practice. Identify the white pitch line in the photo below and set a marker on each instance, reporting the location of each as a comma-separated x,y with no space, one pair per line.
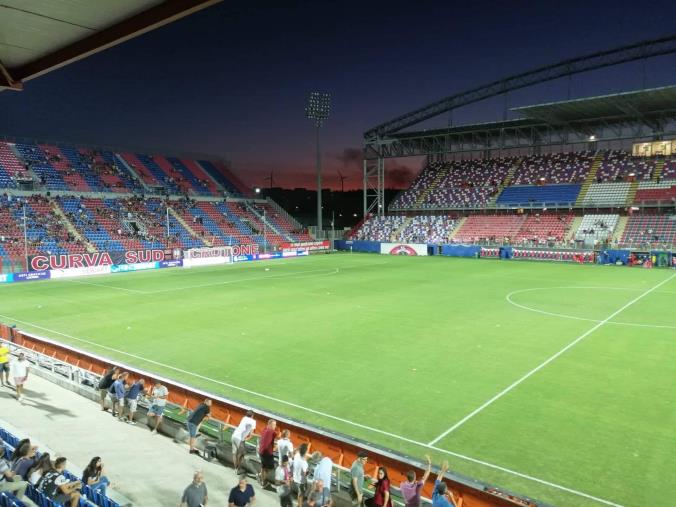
509,299
328,416
546,362
134,291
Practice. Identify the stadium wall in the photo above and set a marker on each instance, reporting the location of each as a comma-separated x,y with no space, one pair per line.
340,448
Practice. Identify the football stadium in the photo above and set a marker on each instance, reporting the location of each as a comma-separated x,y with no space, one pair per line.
500,332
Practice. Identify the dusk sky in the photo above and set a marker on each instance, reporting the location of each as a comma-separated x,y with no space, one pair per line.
233,79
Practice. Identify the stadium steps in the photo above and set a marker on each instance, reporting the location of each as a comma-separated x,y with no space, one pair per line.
458,226
574,226
72,229
657,171
618,233
631,195
119,160
397,232
296,224
438,178
591,177
187,226
267,222
505,183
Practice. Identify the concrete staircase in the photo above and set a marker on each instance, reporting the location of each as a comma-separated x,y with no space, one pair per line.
457,227
130,170
395,234
505,183
441,174
620,227
188,228
591,178
631,195
265,220
659,166
574,226
71,228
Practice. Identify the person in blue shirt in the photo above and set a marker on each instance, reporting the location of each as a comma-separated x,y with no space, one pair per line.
117,394
442,496
131,400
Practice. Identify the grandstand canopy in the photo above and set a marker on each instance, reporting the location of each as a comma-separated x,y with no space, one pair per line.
42,35
620,105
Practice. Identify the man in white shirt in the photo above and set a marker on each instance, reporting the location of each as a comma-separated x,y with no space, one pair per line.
300,468
19,370
242,433
159,396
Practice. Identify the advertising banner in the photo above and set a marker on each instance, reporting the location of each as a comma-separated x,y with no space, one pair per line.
206,253
43,262
72,272
403,248
312,246
30,276
171,264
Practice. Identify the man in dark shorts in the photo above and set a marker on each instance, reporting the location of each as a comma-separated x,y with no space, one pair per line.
4,364
242,495
195,421
105,383
266,451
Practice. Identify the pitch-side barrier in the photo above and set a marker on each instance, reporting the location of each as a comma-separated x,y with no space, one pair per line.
81,371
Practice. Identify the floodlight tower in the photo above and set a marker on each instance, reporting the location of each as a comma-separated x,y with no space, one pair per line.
317,110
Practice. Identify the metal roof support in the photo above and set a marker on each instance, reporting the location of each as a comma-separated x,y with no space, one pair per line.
374,186
6,80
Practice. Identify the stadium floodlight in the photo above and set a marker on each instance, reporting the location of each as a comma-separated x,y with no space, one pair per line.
318,109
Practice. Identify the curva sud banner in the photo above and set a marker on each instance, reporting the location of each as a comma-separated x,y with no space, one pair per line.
403,248
88,260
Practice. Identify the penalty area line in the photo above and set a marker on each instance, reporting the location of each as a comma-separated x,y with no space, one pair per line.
324,414
547,361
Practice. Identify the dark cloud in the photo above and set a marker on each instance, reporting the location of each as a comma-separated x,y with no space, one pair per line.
350,157
399,176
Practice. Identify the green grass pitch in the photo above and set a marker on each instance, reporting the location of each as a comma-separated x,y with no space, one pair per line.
398,350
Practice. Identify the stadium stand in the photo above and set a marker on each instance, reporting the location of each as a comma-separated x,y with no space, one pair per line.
597,227
652,191
427,229
539,195
649,229
489,228
607,194
619,165
380,228
553,168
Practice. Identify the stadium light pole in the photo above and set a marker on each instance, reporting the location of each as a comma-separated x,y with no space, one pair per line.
25,237
317,110
265,234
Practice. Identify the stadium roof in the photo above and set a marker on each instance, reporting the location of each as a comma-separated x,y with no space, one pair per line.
38,36
628,104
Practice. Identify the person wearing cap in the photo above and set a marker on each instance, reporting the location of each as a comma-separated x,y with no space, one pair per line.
283,482
442,497
357,478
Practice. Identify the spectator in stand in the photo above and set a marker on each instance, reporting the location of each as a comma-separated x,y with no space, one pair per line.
195,495
266,451
410,488
43,464
131,399
105,383
357,478
284,445
283,482
318,496
19,369
195,421
117,392
8,480
323,471
381,497
442,497
24,458
158,401
93,477
55,486
242,433
300,469
4,364
242,495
